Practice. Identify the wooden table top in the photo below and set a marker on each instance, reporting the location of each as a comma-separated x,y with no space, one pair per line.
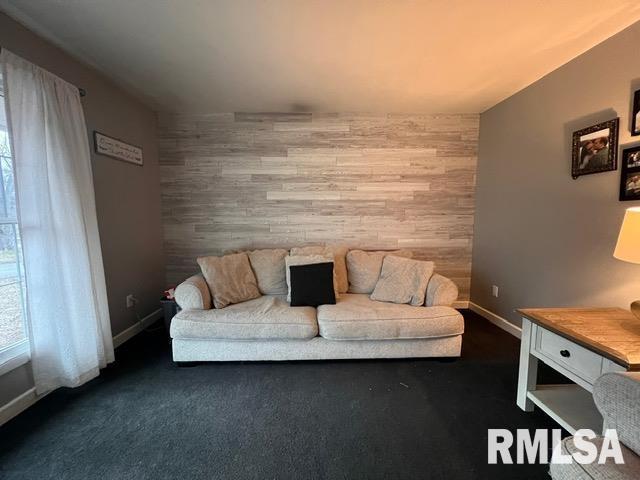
613,333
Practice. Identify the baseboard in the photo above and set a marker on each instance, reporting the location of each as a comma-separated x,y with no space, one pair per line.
133,330
461,304
18,405
497,320
28,398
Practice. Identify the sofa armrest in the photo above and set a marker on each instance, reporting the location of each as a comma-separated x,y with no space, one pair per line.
617,396
193,294
441,291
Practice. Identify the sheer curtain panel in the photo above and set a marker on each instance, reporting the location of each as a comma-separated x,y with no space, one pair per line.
67,311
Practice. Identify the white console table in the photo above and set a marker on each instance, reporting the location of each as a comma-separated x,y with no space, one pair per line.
581,344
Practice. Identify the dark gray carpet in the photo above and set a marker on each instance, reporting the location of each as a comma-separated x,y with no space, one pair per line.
144,418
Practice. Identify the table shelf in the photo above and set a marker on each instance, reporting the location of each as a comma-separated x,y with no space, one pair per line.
569,405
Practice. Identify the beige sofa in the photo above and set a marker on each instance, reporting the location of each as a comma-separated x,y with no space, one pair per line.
267,328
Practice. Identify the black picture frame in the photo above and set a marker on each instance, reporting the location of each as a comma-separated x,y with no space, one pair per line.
635,115
630,174
604,147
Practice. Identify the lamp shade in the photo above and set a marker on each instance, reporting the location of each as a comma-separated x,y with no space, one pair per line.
628,246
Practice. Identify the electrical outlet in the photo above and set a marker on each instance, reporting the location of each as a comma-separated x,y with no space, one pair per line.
131,300
494,290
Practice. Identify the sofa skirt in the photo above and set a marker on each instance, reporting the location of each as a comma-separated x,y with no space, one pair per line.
317,348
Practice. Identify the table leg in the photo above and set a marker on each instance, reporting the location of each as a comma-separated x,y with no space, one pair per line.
528,371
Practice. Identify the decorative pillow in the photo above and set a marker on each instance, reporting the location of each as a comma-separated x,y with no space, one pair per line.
403,280
307,260
312,285
339,253
269,268
229,278
364,268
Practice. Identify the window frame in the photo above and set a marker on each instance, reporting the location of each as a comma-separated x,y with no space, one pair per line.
14,355
18,353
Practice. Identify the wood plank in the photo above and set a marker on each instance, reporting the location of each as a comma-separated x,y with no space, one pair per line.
374,181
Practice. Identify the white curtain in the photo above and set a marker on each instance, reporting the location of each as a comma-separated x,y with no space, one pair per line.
67,311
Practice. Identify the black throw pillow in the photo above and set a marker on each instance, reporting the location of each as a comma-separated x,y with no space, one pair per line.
312,285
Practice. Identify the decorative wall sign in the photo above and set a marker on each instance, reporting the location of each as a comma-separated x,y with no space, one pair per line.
630,174
595,149
114,148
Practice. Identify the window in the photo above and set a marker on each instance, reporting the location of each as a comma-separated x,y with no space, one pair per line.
13,339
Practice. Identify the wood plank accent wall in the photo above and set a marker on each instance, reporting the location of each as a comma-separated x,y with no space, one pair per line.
251,180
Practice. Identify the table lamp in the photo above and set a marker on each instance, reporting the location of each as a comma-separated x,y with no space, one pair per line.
628,246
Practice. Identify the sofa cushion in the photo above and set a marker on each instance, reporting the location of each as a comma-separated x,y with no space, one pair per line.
266,317
617,397
357,317
364,268
268,266
339,253
403,280
307,260
229,278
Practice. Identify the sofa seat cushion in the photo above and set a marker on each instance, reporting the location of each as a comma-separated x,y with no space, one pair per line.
266,317
357,317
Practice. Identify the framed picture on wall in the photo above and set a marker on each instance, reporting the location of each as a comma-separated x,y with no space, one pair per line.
595,149
630,174
635,115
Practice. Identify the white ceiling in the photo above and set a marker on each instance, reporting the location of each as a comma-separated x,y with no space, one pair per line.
325,55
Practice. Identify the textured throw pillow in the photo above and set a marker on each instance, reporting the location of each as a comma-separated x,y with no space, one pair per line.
339,253
307,260
312,285
364,268
229,278
403,280
269,267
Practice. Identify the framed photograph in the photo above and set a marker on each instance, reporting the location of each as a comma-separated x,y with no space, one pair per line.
630,174
114,148
595,149
635,115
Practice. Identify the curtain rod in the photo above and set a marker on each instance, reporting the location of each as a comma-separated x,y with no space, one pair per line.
81,91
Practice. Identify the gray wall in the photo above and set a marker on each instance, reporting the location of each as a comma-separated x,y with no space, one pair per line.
127,196
543,238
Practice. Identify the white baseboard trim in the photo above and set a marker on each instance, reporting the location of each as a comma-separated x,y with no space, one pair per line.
28,398
497,320
461,304
136,328
18,405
